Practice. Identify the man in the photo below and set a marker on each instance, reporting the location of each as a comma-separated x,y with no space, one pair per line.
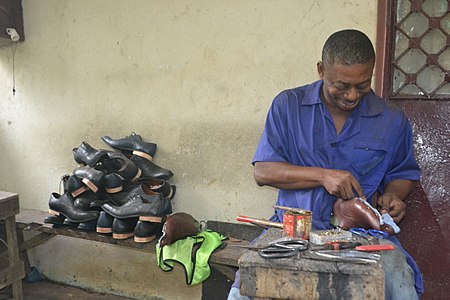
336,139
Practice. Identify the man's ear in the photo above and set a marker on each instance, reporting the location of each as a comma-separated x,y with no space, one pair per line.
320,69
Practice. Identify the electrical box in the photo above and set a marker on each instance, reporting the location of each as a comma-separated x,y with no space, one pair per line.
11,22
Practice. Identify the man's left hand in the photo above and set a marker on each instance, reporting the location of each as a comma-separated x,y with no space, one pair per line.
390,203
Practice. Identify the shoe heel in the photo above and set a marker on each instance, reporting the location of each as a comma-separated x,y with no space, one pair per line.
143,154
122,236
54,212
153,219
146,239
114,190
138,175
79,191
89,183
104,229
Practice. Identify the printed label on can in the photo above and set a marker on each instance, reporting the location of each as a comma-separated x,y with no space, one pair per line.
297,225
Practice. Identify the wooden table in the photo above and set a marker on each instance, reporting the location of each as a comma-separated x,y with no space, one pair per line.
305,278
13,274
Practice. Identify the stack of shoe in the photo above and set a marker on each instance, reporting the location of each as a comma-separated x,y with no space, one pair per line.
120,192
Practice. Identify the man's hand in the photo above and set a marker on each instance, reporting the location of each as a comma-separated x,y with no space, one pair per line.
342,184
390,203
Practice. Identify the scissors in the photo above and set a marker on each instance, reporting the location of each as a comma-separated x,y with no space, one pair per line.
369,233
284,249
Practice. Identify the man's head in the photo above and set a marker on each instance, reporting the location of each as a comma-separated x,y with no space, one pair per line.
348,47
346,69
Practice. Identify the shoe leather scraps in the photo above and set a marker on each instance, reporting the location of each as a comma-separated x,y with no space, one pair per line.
192,253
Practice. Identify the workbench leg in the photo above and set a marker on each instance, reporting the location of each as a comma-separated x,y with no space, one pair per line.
13,254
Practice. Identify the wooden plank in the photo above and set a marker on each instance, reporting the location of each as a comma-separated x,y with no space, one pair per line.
13,273
9,203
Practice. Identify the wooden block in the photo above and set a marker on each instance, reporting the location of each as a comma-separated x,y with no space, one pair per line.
9,204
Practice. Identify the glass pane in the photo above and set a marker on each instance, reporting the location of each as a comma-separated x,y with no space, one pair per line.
412,61
399,80
445,23
444,59
415,25
411,90
435,8
444,91
401,43
403,8
430,78
433,41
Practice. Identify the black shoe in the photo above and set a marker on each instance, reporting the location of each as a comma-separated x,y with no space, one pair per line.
84,201
163,187
88,226
55,220
150,170
69,223
87,155
113,183
133,144
63,204
145,232
122,165
73,185
123,228
104,223
148,207
91,177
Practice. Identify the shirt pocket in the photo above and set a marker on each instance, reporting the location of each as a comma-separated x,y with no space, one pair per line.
368,156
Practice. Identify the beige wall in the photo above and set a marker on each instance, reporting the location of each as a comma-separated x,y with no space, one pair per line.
196,77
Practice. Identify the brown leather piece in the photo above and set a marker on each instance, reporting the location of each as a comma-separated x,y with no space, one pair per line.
178,226
355,213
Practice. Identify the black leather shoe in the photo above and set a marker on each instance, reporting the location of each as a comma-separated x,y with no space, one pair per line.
163,187
120,198
73,185
104,223
120,164
113,183
84,201
91,177
63,204
133,144
55,220
88,226
123,228
150,170
148,206
88,155
145,232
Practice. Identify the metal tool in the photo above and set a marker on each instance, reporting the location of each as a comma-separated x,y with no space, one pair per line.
260,222
335,246
347,256
369,233
284,249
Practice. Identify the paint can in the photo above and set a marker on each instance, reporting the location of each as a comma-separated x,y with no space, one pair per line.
297,224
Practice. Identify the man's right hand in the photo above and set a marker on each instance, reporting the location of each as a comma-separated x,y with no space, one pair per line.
341,184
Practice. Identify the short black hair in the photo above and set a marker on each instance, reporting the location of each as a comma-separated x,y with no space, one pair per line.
348,47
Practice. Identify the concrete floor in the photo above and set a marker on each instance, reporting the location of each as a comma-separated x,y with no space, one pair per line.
46,290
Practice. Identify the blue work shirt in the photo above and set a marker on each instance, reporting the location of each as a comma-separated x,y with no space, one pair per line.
375,145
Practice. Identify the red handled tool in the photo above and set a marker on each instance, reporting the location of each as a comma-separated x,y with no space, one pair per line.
260,222
370,248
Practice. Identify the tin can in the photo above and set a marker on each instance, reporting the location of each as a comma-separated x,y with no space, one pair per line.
297,224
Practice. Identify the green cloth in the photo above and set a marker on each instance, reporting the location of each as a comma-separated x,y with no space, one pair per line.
192,253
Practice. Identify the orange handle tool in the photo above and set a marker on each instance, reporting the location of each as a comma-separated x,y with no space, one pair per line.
369,248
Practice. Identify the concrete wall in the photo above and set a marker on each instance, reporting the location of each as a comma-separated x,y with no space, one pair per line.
196,77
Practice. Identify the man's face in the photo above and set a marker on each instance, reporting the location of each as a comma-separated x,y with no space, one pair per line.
344,86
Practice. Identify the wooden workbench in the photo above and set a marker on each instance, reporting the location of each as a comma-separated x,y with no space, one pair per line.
304,278
13,274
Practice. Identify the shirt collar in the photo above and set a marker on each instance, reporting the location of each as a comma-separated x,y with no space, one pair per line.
370,105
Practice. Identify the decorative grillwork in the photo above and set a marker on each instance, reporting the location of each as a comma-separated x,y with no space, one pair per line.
421,49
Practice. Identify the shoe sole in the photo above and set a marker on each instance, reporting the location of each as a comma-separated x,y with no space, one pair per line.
90,184
122,236
143,154
153,219
146,239
104,229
